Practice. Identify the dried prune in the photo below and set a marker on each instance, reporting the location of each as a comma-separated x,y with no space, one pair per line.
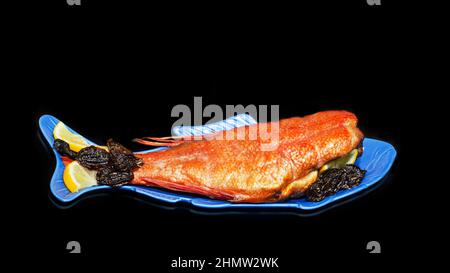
114,168
121,158
333,180
64,148
93,158
109,176
116,147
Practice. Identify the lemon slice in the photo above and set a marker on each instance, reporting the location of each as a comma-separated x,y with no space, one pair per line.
77,177
76,142
349,158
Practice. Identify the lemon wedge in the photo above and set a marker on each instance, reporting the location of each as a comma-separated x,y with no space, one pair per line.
77,177
349,158
76,142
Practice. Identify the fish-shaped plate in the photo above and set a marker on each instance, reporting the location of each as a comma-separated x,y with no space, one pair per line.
377,159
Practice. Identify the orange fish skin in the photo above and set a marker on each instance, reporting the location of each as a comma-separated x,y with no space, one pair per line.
239,171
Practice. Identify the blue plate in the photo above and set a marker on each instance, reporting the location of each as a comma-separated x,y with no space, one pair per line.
377,159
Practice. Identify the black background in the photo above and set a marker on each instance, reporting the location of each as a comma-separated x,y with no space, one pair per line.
114,69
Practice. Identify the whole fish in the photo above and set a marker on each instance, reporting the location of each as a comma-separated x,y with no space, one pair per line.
236,169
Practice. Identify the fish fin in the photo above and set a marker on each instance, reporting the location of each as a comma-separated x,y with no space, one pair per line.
158,141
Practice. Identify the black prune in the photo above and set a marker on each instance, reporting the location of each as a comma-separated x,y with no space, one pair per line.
124,162
64,148
333,180
116,147
121,158
109,176
93,158
114,168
